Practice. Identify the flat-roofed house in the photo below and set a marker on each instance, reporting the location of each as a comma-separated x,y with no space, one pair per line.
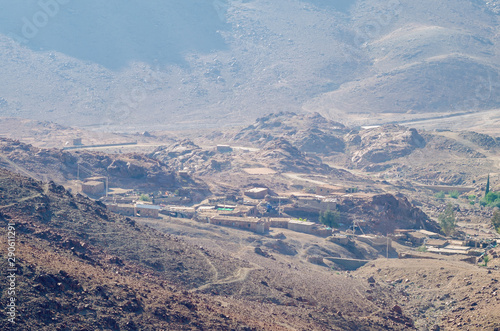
121,208
301,226
329,189
245,223
309,228
93,188
146,210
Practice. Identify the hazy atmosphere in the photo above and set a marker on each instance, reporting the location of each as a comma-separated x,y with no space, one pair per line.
250,165
212,63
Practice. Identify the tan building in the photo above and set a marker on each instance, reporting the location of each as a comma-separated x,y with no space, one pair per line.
301,226
245,223
279,222
142,210
316,204
239,210
309,228
93,188
122,209
145,210
329,189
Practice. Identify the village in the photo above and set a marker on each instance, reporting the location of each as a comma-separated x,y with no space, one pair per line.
259,212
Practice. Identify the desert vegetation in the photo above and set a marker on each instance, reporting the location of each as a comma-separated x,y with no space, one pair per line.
447,220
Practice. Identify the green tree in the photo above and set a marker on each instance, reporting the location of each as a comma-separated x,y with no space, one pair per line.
487,185
330,218
144,197
422,249
495,219
440,195
447,220
491,199
454,194
486,259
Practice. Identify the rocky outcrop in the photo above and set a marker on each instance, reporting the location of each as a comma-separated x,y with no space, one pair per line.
186,155
446,144
282,156
121,168
317,141
384,144
385,213
480,139
124,170
310,133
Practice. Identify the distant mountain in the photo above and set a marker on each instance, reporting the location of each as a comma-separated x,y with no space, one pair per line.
192,64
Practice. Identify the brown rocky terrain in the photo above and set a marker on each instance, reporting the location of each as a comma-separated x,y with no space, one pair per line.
441,294
482,140
133,170
308,133
385,213
276,157
282,156
383,144
80,266
234,279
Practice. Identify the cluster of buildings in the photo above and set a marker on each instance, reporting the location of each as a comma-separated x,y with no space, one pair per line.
135,209
247,211
436,243
232,211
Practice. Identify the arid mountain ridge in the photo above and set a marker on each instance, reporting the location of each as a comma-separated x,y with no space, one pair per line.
198,64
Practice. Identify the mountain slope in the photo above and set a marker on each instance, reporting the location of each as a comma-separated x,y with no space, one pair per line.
197,64
80,266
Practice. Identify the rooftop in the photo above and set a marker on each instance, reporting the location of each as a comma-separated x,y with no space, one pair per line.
429,233
302,222
236,219
257,189
93,183
143,206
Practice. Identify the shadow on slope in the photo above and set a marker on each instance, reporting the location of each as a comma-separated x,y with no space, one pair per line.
113,33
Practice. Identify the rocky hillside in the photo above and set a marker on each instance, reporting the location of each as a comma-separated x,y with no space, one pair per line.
276,153
385,213
186,155
446,295
79,266
197,64
280,155
383,144
482,140
309,133
124,170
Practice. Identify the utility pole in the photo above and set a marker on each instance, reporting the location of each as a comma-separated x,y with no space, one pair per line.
387,254
107,177
78,172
